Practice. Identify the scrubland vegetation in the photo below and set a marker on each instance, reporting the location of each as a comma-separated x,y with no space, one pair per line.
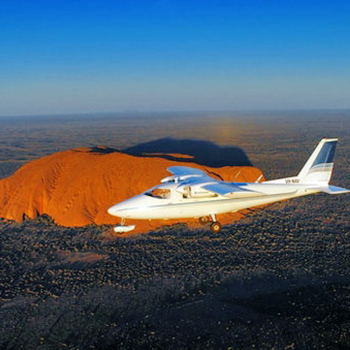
277,279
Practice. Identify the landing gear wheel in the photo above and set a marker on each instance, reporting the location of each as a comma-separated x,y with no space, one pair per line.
204,219
215,227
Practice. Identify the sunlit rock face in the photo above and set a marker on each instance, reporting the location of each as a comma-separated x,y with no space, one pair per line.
76,187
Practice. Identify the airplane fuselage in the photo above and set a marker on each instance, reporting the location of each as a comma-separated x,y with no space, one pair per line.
191,193
145,206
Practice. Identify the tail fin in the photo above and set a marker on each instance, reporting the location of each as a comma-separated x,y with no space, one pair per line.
319,167
317,171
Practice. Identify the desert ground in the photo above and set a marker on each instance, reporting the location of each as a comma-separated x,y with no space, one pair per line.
276,279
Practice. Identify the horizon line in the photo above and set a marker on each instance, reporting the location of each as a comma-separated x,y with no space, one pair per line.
128,112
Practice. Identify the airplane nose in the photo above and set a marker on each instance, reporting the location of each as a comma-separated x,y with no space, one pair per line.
110,210
121,209
116,210
125,209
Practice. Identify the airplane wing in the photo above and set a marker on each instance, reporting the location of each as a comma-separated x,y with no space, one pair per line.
181,173
194,182
185,171
228,189
242,190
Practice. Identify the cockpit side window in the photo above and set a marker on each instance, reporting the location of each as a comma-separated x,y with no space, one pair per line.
162,193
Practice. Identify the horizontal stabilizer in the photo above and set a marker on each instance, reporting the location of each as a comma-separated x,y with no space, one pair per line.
333,189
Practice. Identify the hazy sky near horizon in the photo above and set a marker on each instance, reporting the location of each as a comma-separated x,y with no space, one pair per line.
88,56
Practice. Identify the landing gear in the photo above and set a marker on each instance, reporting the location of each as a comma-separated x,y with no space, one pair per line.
123,228
204,219
215,226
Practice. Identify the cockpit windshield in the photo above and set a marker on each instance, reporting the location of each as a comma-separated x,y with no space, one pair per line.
162,193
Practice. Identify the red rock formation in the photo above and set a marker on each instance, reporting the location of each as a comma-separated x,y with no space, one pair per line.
76,187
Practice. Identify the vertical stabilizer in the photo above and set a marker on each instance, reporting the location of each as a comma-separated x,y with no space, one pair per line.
319,167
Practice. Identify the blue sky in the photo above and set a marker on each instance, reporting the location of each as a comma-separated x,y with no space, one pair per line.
90,56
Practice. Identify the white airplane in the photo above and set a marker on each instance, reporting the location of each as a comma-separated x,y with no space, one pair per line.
191,193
